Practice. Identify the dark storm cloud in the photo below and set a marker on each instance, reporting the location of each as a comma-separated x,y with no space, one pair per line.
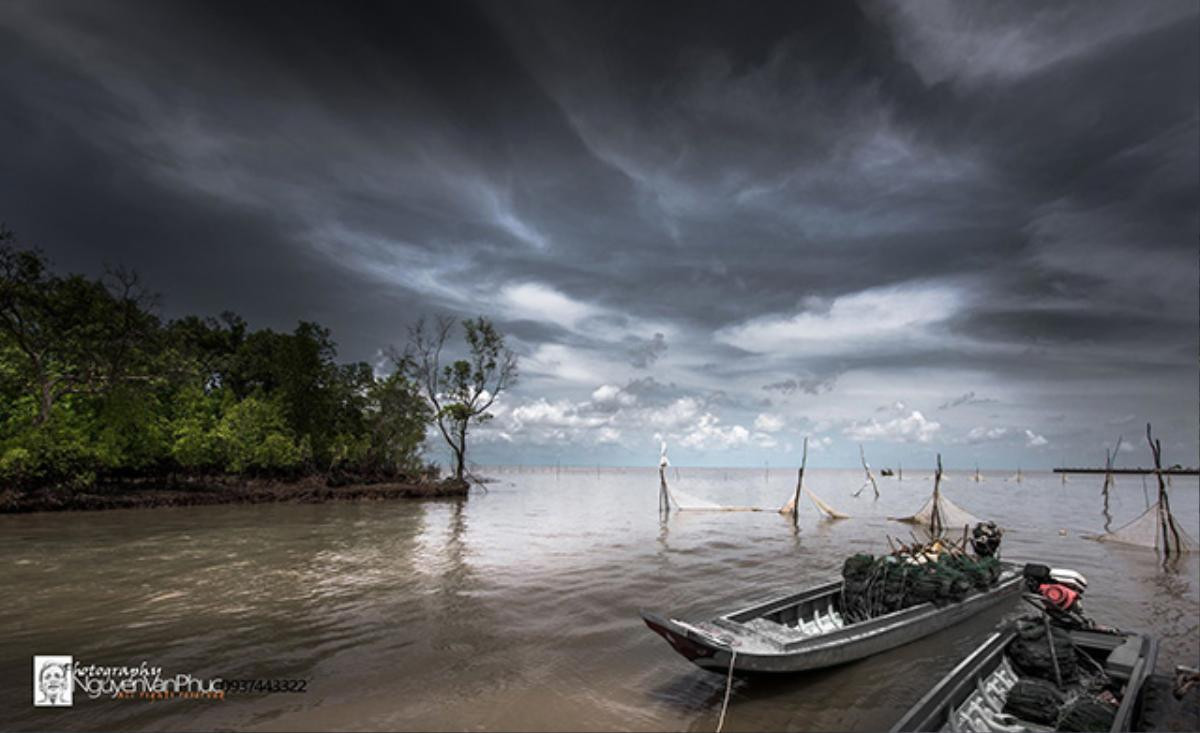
808,384
651,391
645,352
789,197
966,399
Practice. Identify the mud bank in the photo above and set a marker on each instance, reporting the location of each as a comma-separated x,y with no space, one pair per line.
217,491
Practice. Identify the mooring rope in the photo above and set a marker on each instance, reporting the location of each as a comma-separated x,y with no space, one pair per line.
728,687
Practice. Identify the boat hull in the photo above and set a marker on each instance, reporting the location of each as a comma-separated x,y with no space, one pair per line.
930,713
713,646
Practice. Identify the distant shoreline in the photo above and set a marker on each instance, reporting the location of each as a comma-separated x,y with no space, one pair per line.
148,495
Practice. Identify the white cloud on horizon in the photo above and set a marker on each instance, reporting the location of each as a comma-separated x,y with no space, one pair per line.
913,427
979,433
709,433
768,423
1033,440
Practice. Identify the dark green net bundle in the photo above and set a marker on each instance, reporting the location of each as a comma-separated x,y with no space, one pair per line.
874,586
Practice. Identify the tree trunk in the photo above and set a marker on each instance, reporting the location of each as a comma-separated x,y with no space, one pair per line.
460,453
46,403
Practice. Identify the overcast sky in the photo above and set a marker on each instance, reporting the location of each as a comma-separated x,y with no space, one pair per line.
921,226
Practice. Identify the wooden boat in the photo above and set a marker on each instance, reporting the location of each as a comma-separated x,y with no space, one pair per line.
806,630
972,695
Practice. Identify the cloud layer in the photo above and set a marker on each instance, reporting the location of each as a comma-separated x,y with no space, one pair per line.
729,229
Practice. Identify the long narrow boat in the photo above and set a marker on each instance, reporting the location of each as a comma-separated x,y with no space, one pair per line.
806,630
971,696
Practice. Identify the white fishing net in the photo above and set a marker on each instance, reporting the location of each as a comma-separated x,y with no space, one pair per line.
1148,531
950,515
825,508
687,502
820,504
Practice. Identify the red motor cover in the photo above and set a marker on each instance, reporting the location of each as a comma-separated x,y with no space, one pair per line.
1058,594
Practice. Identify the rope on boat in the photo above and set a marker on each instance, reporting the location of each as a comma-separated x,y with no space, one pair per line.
1053,654
728,687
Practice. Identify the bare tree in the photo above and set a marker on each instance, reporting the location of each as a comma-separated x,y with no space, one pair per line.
463,391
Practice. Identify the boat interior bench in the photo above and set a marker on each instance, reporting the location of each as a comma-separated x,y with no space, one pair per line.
798,622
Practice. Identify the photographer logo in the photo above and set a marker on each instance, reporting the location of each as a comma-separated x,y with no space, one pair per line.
53,681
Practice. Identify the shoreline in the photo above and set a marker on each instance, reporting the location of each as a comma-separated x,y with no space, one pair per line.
151,495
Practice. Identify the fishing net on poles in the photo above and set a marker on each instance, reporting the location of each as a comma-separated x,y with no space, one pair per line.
822,506
939,514
687,502
1154,527
825,508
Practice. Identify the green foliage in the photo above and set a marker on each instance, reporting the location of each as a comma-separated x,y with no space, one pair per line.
94,386
64,336
195,445
132,432
16,463
255,438
59,451
396,418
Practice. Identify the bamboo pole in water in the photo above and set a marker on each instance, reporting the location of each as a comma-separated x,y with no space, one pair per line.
870,477
1109,481
935,517
1170,533
664,504
664,498
799,483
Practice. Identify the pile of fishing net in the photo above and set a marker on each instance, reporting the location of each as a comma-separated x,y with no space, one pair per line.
1032,656
874,586
1054,689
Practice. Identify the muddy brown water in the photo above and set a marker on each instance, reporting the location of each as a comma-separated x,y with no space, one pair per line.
517,608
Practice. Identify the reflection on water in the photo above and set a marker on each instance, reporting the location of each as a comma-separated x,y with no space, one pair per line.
517,609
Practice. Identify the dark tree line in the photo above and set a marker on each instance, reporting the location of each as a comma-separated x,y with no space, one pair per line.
95,386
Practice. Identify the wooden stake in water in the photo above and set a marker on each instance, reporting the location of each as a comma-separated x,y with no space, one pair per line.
799,483
1109,482
664,497
935,518
870,477
1170,533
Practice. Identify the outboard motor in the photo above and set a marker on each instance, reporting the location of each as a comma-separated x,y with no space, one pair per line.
1059,591
1070,578
1036,575
1060,595
1063,588
985,539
